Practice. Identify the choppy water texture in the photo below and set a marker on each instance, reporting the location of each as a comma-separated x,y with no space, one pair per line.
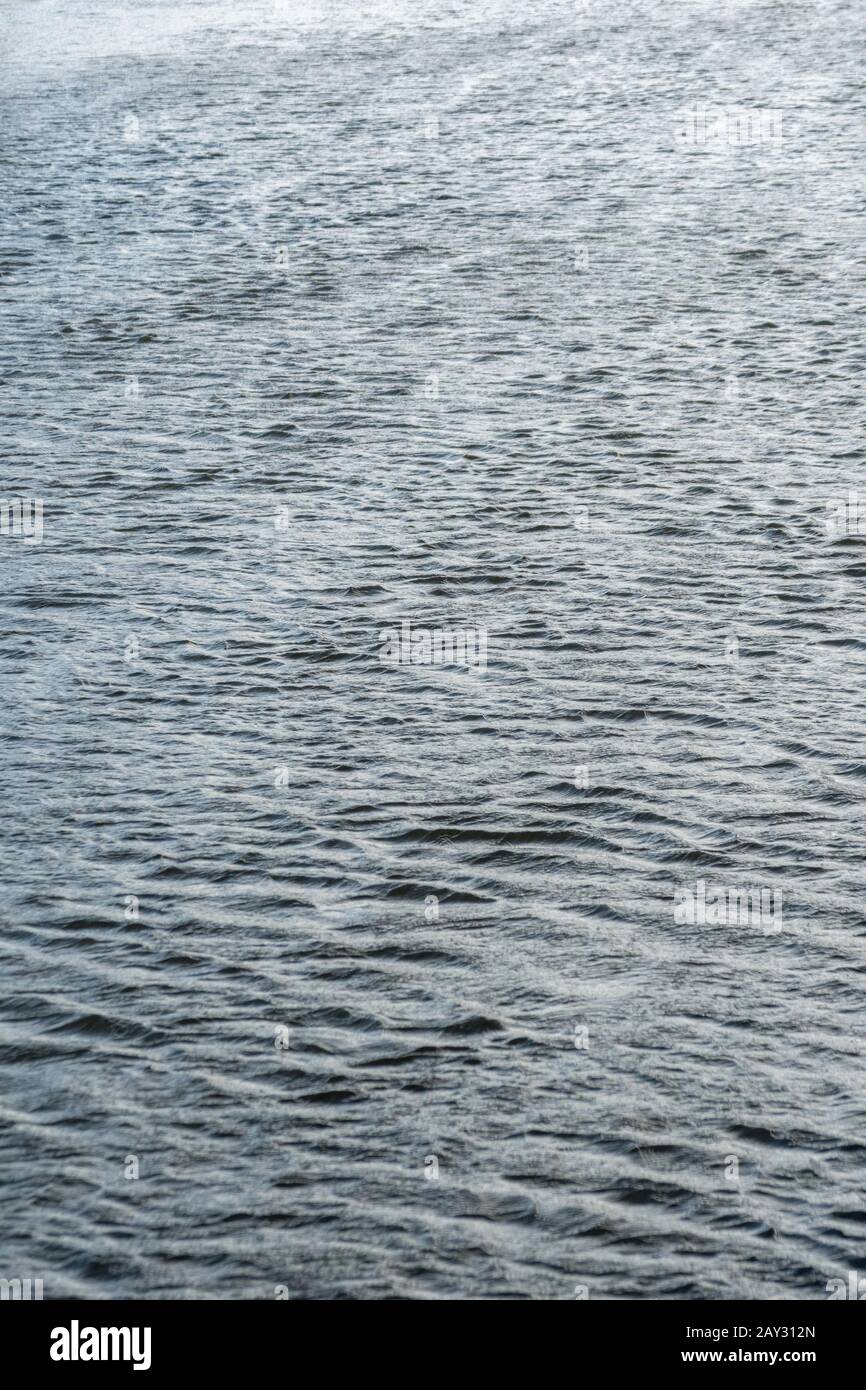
242,272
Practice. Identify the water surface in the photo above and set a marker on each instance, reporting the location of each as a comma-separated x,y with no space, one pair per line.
322,317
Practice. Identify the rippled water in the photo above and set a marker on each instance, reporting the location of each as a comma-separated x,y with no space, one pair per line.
320,318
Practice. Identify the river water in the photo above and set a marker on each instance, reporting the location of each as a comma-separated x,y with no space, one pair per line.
330,974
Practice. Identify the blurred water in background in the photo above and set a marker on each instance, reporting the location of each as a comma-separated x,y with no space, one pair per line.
319,318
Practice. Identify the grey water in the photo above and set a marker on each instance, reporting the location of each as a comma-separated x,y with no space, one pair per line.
330,974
